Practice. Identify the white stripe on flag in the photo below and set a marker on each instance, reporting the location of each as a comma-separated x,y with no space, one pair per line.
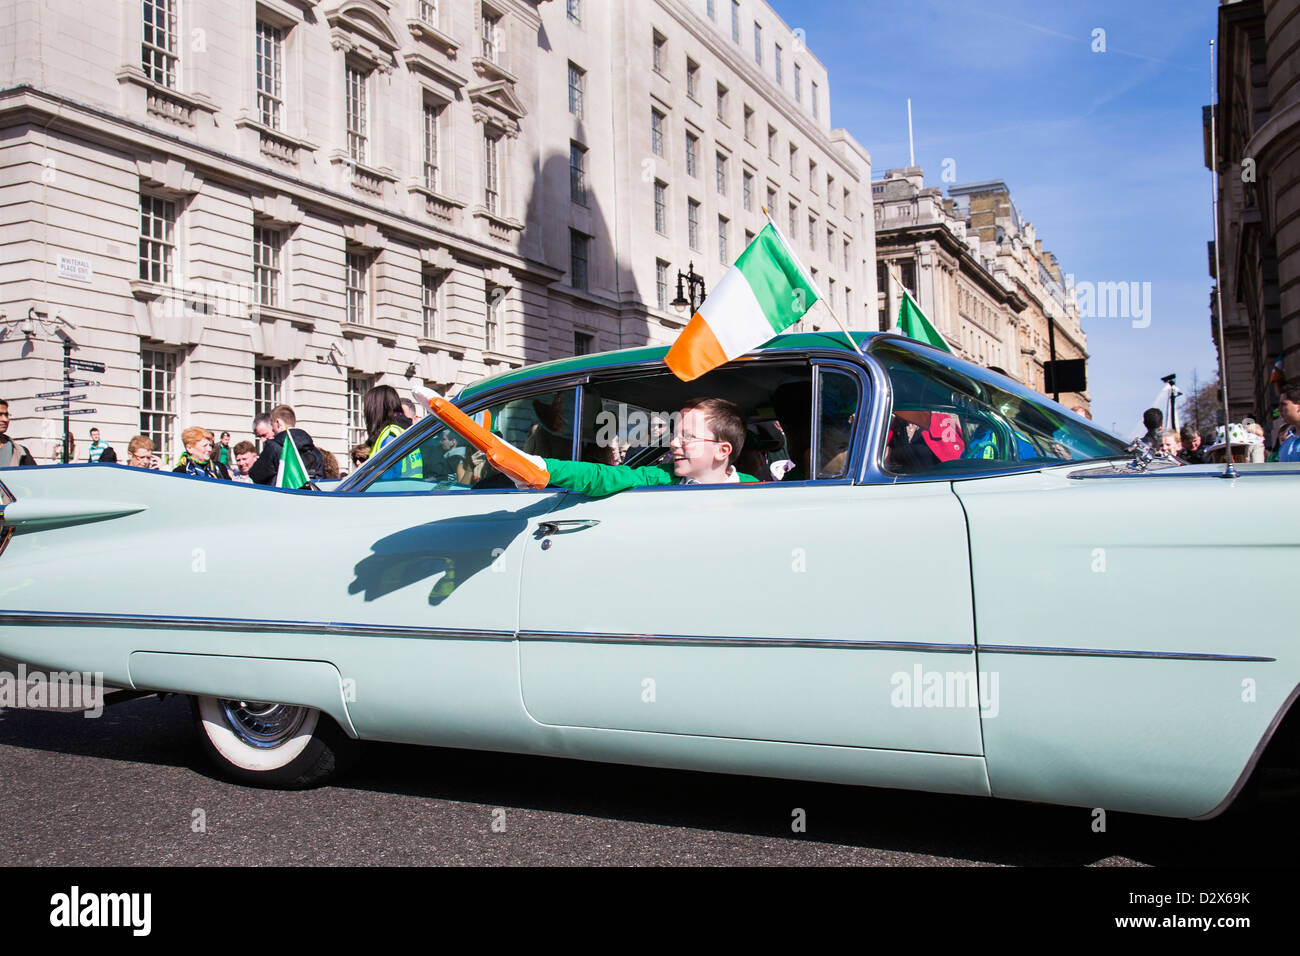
734,315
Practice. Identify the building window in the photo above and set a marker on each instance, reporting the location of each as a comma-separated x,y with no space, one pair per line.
722,103
749,237
812,95
798,84
847,210
771,143
735,21
661,207
157,239
830,243
432,117
578,243
491,173
490,35
794,161
771,199
794,222
357,282
430,288
722,241
812,233
720,173
692,153
358,385
270,74
812,175
577,81
584,343
830,293
747,191
429,12
711,10
158,399
358,141
268,387
758,44
577,174
848,254
659,42
159,52
830,190
267,274
693,224
661,284
749,125
656,132
776,64
907,275
692,79
574,10
495,295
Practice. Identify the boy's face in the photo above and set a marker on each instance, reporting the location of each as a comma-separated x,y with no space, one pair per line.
1289,411
245,460
696,451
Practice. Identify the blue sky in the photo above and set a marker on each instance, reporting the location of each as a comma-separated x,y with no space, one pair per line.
1102,151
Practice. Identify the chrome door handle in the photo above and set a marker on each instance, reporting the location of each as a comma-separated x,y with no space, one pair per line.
565,527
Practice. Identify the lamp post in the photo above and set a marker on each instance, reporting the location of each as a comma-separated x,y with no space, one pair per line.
693,282
28,326
1171,380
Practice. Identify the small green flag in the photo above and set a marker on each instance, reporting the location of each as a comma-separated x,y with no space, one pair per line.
913,323
292,473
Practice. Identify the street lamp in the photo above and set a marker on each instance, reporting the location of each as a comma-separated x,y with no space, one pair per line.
1170,380
27,327
693,282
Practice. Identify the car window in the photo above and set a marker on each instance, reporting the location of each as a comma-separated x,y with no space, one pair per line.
540,424
955,418
838,401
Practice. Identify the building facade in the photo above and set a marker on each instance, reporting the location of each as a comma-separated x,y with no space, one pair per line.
1258,132
979,273
237,204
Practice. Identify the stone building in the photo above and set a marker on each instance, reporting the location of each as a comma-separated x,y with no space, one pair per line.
249,202
979,272
1258,128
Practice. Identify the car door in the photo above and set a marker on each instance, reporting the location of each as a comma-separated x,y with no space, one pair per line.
817,611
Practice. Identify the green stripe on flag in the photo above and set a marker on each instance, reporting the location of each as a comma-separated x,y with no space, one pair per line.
779,285
292,473
914,324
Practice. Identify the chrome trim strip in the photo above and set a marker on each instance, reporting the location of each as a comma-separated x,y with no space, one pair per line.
578,637
163,621
1179,473
1101,652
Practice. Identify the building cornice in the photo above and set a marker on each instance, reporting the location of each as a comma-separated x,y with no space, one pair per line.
920,232
52,111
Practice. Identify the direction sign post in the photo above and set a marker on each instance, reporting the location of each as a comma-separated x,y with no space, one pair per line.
81,411
81,365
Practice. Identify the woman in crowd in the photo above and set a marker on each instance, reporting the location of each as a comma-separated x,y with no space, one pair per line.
139,453
384,422
197,460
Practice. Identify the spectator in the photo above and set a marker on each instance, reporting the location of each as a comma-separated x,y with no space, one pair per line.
139,454
1168,445
96,446
1288,409
384,422
1082,412
331,465
262,427
360,455
109,457
1153,420
447,462
282,422
12,454
197,461
224,453
410,410
245,454
1192,453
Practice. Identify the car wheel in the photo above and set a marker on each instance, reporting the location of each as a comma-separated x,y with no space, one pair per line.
271,745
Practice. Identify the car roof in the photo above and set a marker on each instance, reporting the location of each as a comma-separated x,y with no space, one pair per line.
788,342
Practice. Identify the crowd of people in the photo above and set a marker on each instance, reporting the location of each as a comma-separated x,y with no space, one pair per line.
204,456
1250,441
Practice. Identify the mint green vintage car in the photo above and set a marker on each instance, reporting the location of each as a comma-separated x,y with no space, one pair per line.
942,581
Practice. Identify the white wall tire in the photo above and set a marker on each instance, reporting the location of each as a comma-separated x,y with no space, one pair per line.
271,745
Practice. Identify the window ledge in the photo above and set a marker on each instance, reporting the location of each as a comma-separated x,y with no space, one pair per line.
276,143
491,70
165,102
365,178
498,226
271,313
432,35
438,345
499,358
147,291
351,330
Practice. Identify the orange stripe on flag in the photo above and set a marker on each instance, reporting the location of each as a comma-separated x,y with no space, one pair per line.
696,351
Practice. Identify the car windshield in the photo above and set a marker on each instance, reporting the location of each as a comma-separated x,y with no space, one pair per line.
951,417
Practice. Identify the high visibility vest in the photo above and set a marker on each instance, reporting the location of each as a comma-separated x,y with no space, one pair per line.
411,466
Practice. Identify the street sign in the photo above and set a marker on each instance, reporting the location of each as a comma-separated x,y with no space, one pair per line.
82,411
77,383
62,396
81,365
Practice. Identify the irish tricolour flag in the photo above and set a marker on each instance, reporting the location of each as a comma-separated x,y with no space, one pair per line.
763,294
292,473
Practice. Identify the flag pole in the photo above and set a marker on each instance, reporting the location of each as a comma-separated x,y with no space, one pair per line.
1229,470
820,298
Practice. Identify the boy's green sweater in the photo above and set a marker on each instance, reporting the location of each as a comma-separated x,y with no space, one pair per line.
601,481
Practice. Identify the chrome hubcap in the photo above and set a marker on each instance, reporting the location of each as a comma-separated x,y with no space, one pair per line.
261,724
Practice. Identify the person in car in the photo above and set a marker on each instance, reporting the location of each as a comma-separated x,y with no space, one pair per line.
710,437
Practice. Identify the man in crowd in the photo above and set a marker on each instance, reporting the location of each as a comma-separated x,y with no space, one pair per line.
1192,453
282,423
245,455
1152,420
12,454
224,454
96,446
1288,409
139,454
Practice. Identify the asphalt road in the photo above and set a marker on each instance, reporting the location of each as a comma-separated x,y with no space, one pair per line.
132,787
